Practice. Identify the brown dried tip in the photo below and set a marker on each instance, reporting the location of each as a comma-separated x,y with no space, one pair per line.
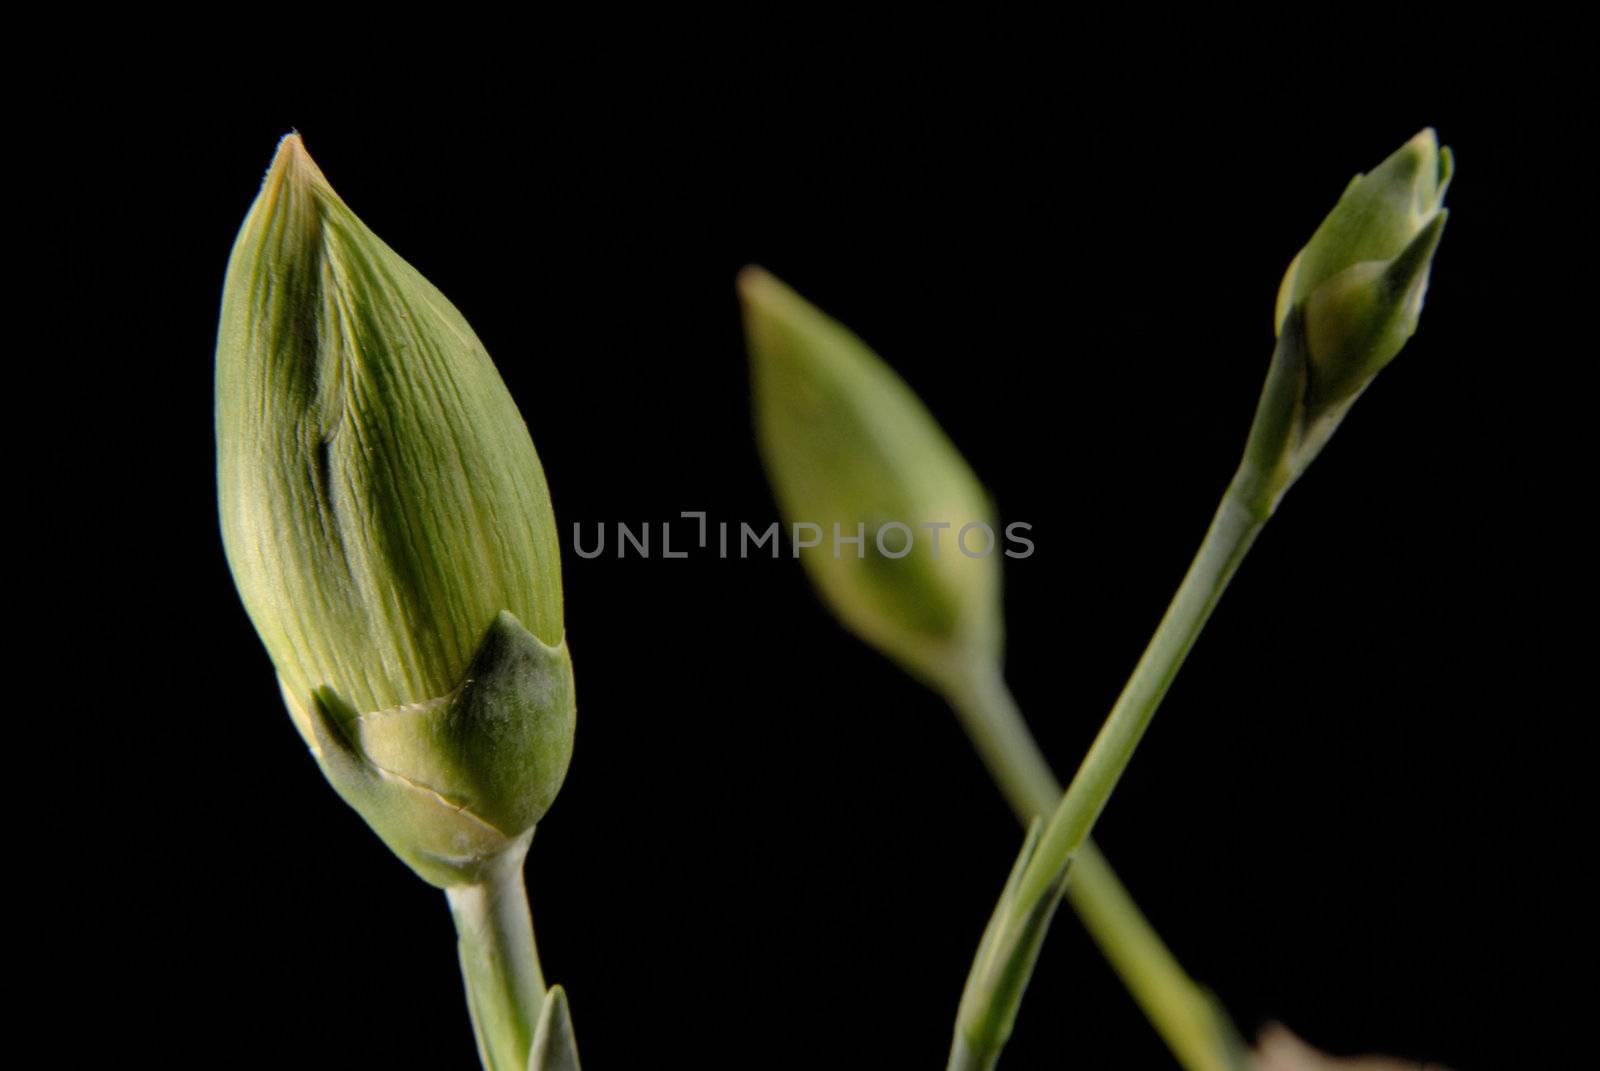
1278,1049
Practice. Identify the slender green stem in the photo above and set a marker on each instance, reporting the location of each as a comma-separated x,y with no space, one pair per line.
1232,531
993,721
1189,1019
990,999
964,1057
1196,1030
499,963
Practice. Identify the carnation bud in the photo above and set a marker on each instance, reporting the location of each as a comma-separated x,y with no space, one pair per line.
851,449
1348,303
389,528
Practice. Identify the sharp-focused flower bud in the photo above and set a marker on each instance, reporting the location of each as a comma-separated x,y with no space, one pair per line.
1359,319
1362,277
1348,303
1378,216
389,528
906,551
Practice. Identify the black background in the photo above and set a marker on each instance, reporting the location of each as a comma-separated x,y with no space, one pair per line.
772,847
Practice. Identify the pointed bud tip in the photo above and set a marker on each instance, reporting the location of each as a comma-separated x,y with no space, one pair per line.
292,157
292,170
755,283
1416,157
1422,147
769,305
1416,258
1429,165
289,146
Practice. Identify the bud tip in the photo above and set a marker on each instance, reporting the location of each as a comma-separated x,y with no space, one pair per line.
754,280
292,166
1412,265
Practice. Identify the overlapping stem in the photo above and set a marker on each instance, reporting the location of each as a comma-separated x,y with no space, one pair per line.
1233,529
1191,1022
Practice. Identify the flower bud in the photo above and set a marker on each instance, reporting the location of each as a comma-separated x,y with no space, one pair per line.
389,528
1348,303
851,449
1359,319
1362,277
1377,216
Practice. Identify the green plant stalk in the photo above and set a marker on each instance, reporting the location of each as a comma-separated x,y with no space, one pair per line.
499,963
1249,501
1191,1022
1349,302
1238,520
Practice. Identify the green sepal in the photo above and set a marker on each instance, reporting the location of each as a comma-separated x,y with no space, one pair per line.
1282,439
451,783
554,1046
501,741
1004,963
1357,321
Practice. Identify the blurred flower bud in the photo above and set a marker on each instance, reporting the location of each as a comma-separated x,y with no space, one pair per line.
388,525
850,449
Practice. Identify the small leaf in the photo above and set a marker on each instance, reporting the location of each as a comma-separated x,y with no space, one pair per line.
554,1047
1004,963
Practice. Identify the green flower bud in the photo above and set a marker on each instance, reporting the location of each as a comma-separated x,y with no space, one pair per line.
1377,216
1348,303
1362,277
389,528
851,449
1357,321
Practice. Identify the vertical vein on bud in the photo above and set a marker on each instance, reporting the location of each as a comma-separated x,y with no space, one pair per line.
379,484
